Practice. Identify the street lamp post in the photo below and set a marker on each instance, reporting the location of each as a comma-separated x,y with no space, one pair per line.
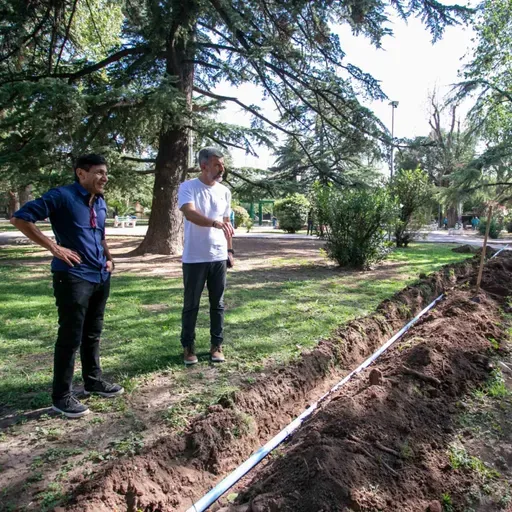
393,104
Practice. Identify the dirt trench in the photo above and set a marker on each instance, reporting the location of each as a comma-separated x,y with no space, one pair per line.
177,470
381,443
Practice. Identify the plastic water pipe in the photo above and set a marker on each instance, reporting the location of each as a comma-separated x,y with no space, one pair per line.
214,494
496,253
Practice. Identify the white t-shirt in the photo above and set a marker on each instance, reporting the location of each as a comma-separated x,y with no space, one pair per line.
205,244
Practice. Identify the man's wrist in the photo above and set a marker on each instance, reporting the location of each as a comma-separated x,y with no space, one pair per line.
113,264
231,251
213,224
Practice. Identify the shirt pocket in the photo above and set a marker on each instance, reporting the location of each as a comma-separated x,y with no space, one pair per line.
219,207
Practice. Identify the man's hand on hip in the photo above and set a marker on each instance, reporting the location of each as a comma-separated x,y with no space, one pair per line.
70,257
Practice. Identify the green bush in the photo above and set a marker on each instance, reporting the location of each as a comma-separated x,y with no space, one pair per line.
412,192
241,215
494,229
292,212
355,224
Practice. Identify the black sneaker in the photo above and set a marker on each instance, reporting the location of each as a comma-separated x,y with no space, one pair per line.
104,389
70,407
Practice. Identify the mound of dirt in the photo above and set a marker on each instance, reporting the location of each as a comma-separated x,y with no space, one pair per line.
383,446
471,249
465,249
177,470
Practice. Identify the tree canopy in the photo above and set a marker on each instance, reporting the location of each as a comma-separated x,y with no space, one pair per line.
134,79
487,78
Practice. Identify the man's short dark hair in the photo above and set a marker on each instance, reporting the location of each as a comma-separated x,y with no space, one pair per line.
205,154
85,162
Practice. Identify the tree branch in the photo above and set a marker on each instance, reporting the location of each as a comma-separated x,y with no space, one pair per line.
66,35
142,160
115,57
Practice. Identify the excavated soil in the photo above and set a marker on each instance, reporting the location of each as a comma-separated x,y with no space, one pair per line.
381,443
412,402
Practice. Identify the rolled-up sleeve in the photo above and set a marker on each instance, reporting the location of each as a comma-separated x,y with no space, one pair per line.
40,208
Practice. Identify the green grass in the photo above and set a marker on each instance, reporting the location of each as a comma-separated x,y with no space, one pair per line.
272,313
461,459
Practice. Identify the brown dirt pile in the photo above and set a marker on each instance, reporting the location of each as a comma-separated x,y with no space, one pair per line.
176,471
383,447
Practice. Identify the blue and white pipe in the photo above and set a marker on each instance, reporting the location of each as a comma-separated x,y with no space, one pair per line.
214,494
496,254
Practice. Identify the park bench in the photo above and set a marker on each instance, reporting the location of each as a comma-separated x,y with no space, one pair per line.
124,221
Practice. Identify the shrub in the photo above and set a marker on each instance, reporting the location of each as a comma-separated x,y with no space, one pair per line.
292,212
494,229
241,215
412,192
355,224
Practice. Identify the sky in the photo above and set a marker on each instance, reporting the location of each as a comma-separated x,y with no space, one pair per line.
408,66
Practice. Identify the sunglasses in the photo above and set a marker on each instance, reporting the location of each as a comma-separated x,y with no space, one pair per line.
92,217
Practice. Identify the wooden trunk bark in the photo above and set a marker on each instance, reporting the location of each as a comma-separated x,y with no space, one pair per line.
13,203
165,229
452,216
25,194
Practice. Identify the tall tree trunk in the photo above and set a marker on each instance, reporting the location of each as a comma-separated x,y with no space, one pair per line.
165,229
25,194
13,203
451,214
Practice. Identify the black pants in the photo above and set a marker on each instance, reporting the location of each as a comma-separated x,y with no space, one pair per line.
81,306
195,275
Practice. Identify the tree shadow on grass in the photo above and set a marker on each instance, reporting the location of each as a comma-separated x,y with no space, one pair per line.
141,337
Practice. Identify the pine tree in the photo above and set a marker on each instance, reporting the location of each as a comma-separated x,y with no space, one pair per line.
133,79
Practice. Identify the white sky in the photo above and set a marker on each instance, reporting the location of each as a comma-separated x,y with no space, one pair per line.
409,68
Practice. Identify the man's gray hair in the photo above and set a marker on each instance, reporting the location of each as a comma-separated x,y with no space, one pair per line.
205,154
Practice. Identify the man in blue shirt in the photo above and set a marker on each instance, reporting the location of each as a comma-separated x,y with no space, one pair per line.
81,268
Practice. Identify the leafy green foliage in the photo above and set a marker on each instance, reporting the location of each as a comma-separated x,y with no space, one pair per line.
241,215
487,77
494,229
356,221
132,79
292,212
412,192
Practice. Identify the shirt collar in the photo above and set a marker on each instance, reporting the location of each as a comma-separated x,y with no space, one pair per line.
84,192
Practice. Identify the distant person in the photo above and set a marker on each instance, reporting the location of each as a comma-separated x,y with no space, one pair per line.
473,223
445,223
81,266
477,222
310,222
205,203
232,218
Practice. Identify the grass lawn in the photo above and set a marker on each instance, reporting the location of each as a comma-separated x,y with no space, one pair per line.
272,314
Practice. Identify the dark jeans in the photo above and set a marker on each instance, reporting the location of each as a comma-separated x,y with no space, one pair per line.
195,275
81,306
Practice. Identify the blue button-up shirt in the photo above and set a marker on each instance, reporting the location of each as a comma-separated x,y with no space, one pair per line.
70,215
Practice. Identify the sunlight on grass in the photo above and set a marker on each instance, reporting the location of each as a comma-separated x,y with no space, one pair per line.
290,310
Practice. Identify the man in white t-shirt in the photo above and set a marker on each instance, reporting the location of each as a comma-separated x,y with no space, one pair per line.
206,205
